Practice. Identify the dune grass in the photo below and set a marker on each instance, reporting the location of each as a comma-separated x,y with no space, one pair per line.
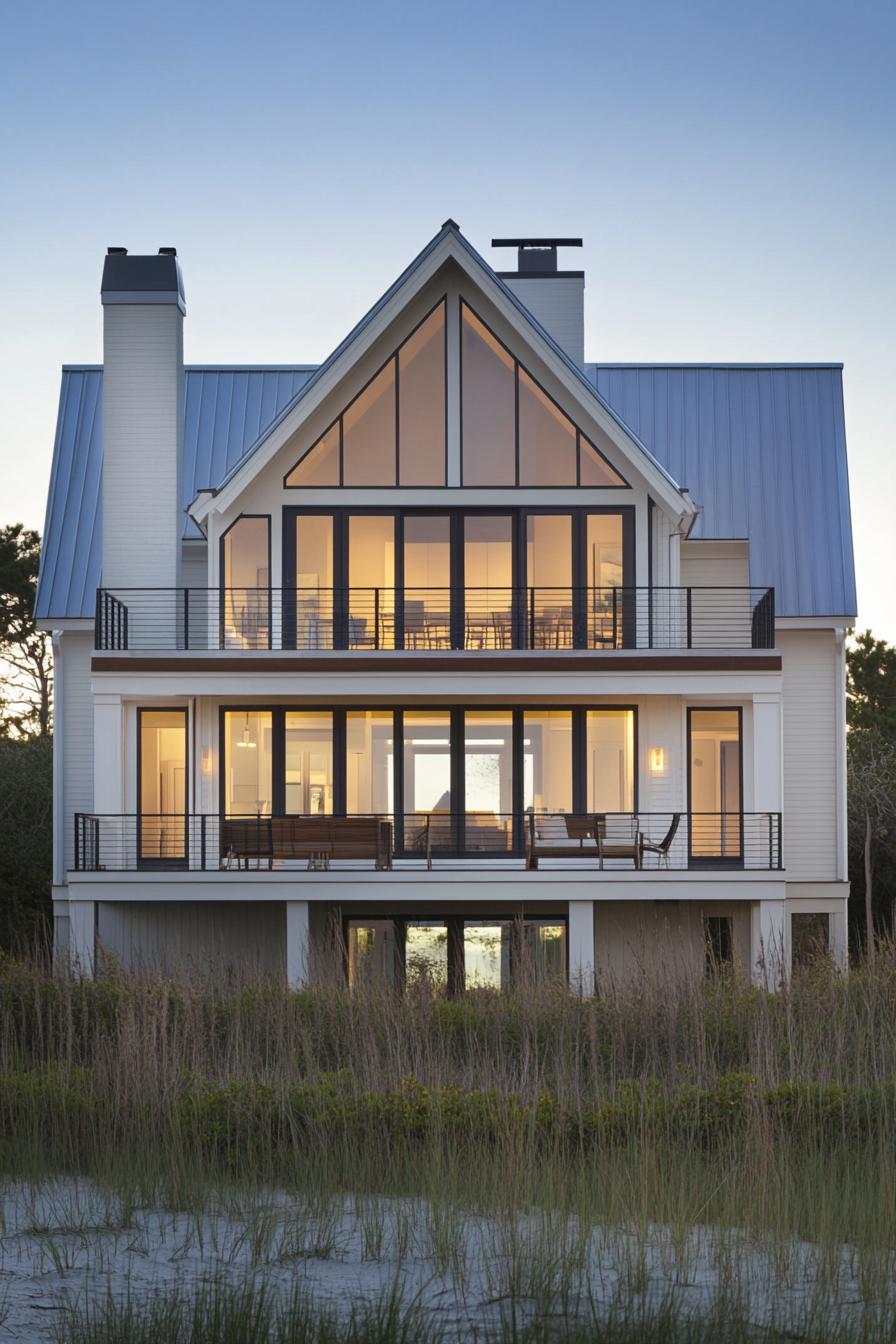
650,1117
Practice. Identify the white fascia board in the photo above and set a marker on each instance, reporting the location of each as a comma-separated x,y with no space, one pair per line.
677,502
62,623
846,623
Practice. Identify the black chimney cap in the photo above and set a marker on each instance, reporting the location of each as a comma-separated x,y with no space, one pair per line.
167,251
116,251
537,258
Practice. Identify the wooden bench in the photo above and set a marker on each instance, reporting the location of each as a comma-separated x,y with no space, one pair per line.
314,839
566,835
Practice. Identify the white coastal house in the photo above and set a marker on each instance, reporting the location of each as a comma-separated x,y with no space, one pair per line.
453,652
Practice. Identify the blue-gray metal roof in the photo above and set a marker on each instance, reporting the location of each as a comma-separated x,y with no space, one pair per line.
761,447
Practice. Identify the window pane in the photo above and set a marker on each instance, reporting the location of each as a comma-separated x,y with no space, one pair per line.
488,407
371,953
488,582
248,788
595,470
715,782
547,760
371,579
549,580
427,761
426,955
314,581
488,779
369,747
319,466
244,579
421,403
163,784
369,433
603,565
427,582
309,762
610,760
547,438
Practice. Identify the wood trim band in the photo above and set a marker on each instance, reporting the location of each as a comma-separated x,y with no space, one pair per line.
295,664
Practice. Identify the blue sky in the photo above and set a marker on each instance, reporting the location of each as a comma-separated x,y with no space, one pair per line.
730,167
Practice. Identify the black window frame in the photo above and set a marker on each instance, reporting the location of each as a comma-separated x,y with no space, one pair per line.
718,860
177,861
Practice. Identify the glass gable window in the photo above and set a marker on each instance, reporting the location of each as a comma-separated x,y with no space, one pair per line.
393,431
488,406
610,760
513,432
245,576
248,763
308,762
421,403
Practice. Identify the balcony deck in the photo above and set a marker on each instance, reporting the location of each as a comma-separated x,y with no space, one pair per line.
488,623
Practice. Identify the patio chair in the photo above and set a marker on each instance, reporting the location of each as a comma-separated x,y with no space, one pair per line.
661,848
618,838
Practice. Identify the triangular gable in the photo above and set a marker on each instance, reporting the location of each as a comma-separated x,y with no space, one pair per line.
448,244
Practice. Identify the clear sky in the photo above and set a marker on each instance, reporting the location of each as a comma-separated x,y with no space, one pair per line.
731,167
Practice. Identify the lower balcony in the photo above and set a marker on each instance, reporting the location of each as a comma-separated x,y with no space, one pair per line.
528,842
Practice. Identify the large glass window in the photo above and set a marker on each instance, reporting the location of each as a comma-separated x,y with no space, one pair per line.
488,779
248,763
488,406
488,581
314,581
421,403
369,748
610,760
594,469
427,582
715,783
163,783
547,438
245,579
427,761
549,580
368,428
371,581
609,612
308,762
393,432
547,760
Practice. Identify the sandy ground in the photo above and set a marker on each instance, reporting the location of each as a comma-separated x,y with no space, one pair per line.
67,1241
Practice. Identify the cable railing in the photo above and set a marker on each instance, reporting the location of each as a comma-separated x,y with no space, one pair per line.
602,842
479,619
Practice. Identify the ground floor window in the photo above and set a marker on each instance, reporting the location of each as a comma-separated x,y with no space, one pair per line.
454,779
718,941
450,955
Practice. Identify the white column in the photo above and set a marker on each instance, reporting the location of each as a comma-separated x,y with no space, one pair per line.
82,937
108,755
297,944
580,937
838,938
769,944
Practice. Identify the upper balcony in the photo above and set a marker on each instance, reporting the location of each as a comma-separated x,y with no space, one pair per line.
375,619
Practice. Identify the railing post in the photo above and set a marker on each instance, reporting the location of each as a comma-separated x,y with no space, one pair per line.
186,618
202,842
690,614
77,845
531,618
376,618
615,592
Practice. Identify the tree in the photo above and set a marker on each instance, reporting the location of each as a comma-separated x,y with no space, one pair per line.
26,664
26,841
871,777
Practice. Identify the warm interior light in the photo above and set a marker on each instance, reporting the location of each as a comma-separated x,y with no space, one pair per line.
246,740
657,760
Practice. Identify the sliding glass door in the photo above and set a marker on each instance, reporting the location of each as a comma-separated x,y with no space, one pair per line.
162,785
715,784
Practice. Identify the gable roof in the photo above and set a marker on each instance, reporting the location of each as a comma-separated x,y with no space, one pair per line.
761,447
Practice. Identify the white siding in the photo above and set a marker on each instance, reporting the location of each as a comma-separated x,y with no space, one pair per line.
559,305
715,564
174,936
194,566
810,753
74,720
142,434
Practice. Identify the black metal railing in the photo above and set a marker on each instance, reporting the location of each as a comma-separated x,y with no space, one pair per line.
478,619
609,841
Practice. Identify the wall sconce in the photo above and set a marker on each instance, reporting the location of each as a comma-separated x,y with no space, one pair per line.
207,762
657,760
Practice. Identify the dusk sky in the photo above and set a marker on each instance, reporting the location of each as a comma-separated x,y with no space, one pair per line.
730,167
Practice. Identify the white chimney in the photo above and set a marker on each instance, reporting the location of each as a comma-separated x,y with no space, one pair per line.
143,417
555,298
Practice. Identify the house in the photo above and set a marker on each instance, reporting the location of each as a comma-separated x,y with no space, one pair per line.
455,655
